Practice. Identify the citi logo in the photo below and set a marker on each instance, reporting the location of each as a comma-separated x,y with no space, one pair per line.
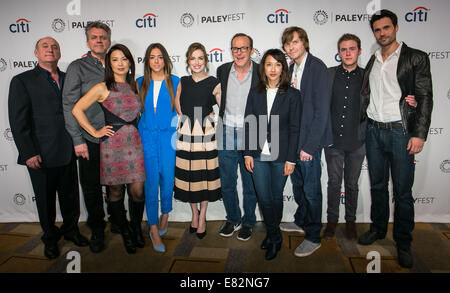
147,21
215,55
419,14
280,16
22,25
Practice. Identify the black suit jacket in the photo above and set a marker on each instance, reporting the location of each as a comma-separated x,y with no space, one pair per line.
287,107
37,120
223,72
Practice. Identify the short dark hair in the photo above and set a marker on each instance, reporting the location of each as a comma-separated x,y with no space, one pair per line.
349,37
109,74
100,25
285,79
242,35
288,35
382,14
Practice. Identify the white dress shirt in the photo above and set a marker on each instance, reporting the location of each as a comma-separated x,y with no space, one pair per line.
385,91
271,94
297,73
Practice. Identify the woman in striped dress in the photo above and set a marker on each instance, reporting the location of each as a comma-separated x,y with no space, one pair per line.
196,168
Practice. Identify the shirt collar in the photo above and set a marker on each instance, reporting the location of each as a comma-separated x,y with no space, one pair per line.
396,53
250,70
355,71
45,71
302,65
93,59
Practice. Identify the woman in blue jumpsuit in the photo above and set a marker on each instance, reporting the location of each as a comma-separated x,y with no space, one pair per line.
157,90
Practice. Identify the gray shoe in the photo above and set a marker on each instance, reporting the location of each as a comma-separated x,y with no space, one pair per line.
291,227
306,248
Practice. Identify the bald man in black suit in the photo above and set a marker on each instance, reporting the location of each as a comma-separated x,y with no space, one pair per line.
37,123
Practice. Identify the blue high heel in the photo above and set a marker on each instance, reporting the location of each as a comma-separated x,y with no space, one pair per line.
161,248
162,232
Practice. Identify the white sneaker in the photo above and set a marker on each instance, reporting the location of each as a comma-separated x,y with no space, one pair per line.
291,227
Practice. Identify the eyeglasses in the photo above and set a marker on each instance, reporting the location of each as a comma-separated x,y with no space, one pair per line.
242,49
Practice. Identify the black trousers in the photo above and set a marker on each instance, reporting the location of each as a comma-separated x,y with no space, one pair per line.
46,183
347,163
91,187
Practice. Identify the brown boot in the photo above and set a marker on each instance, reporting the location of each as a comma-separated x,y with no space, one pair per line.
330,230
350,230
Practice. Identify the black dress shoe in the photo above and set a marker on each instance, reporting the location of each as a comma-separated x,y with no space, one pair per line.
370,237
405,259
78,240
264,244
97,242
51,251
272,250
192,229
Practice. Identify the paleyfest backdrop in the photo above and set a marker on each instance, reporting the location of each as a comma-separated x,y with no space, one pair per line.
178,23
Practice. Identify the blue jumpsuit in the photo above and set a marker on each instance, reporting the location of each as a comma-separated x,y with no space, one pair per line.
158,134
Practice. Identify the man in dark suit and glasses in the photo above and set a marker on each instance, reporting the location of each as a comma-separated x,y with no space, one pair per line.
37,123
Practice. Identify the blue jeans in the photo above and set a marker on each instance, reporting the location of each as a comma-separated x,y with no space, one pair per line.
386,150
307,190
229,158
269,184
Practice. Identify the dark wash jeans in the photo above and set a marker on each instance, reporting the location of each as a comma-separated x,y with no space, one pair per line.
347,163
307,190
269,184
386,151
229,158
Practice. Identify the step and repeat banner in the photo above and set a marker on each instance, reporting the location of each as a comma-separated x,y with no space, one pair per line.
178,23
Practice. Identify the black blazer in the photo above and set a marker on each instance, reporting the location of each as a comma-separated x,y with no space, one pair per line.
223,72
315,126
288,108
37,120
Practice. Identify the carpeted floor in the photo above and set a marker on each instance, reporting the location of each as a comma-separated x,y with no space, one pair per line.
21,251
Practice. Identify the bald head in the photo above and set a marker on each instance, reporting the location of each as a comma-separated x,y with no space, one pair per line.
47,51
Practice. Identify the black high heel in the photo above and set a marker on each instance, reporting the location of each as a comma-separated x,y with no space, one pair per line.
264,244
203,234
192,229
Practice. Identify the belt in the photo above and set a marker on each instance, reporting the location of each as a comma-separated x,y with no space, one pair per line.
385,125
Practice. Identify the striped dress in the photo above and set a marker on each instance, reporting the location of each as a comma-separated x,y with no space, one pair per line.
196,166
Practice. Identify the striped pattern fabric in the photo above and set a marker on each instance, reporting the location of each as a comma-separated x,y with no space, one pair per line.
196,166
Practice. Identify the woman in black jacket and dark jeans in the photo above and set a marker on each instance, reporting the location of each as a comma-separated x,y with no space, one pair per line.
271,154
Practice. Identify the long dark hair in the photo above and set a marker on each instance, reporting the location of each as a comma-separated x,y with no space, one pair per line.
285,80
109,74
148,74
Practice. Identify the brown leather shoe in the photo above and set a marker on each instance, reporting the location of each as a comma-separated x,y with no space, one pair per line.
330,230
350,230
